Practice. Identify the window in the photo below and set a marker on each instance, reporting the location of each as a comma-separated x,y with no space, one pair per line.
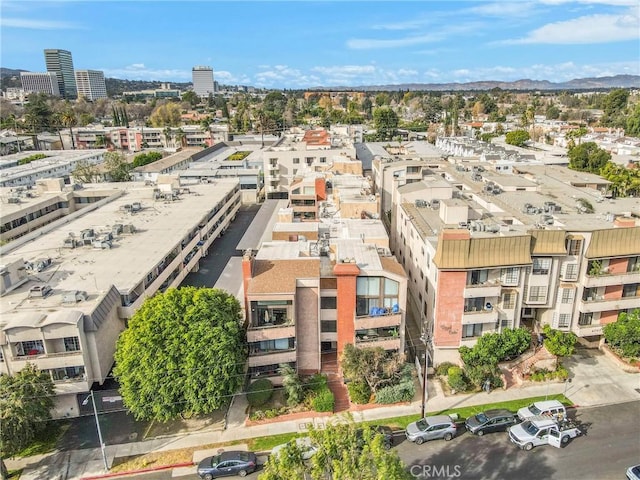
328,303
631,290
296,161
585,319
473,330
477,277
567,295
68,373
323,159
30,347
510,276
633,265
271,312
474,304
266,346
71,344
267,370
537,294
541,266
328,326
574,247
564,319
571,271
509,300
374,294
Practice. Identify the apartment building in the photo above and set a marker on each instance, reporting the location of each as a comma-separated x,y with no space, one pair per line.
68,291
58,164
540,245
91,84
296,152
317,287
202,78
60,62
40,82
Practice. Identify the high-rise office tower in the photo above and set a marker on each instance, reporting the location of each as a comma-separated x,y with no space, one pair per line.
91,84
203,81
61,63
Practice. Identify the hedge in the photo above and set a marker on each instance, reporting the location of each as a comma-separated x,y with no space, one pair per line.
457,379
359,391
402,392
259,392
324,401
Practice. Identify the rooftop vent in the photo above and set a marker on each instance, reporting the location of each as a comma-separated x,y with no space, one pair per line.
74,297
39,291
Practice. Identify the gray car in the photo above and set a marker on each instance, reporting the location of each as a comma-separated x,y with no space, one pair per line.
497,420
431,428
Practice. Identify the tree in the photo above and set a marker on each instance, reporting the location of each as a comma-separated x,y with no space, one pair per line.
292,384
624,334
385,121
85,172
166,115
191,97
183,354
26,400
588,157
552,112
344,451
517,137
373,365
614,106
117,167
633,122
69,120
560,344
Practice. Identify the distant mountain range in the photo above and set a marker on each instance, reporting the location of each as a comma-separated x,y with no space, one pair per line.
116,85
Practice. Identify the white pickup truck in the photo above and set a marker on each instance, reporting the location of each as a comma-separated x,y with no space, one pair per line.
543,430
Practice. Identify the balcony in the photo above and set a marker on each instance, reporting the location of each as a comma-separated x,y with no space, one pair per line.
588,330
271,358
601,304
611,279
489,289
387,343
271,332
377,321
480,316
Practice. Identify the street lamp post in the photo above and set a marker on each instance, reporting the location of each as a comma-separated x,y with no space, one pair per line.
95,413
425,394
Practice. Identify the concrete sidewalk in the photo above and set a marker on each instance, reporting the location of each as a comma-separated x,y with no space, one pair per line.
596,380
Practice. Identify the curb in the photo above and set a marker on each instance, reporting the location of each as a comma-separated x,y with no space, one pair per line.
136,472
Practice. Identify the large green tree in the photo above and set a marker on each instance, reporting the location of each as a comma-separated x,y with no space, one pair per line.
166,115
118,170
183,354
558,343
624,334
385,121
517,137
614,106
344,451
588,157
26,400
191,98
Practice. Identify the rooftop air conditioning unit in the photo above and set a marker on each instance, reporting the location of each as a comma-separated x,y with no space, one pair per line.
39,291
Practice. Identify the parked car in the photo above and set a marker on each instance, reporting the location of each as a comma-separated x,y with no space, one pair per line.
543,430
552,408
497,420
227,463
306,446
386,432
633,473
431,428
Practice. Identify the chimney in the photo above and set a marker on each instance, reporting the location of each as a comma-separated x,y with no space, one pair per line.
624,222
321,190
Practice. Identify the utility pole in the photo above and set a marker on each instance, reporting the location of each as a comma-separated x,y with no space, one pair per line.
425,368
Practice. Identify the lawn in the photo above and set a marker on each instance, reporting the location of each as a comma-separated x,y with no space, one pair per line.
46,440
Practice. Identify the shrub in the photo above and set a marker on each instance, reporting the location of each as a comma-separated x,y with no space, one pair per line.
259,392
257,415
359,391
443,368
271,413
457,379
478,374
402,392
316,382
623,335
324,401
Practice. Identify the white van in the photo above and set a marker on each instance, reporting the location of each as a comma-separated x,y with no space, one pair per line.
552,408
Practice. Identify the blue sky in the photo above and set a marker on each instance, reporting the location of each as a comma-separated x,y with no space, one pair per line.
298,44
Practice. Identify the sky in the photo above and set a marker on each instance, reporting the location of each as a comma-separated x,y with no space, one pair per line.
302,44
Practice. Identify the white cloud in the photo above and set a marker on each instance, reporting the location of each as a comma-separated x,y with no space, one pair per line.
31,24
138,71
620,3
599,28
503,9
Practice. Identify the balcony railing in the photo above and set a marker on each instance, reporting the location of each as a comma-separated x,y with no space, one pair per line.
601,304
377,321
279,331
480,316
611,279
487,289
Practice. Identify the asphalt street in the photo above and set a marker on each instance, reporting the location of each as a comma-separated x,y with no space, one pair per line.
609,445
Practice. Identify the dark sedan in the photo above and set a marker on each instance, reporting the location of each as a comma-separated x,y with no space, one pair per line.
227,463
490,421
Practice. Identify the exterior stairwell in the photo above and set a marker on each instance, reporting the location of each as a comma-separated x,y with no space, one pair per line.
514,376
340,393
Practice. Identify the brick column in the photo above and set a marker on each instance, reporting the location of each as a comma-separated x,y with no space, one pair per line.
346,303
247,270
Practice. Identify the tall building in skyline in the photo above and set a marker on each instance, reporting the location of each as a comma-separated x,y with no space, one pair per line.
40,82
203,81
91,84
60,62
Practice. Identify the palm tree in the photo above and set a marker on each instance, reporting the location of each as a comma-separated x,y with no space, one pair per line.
168,135
69,120
181,137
